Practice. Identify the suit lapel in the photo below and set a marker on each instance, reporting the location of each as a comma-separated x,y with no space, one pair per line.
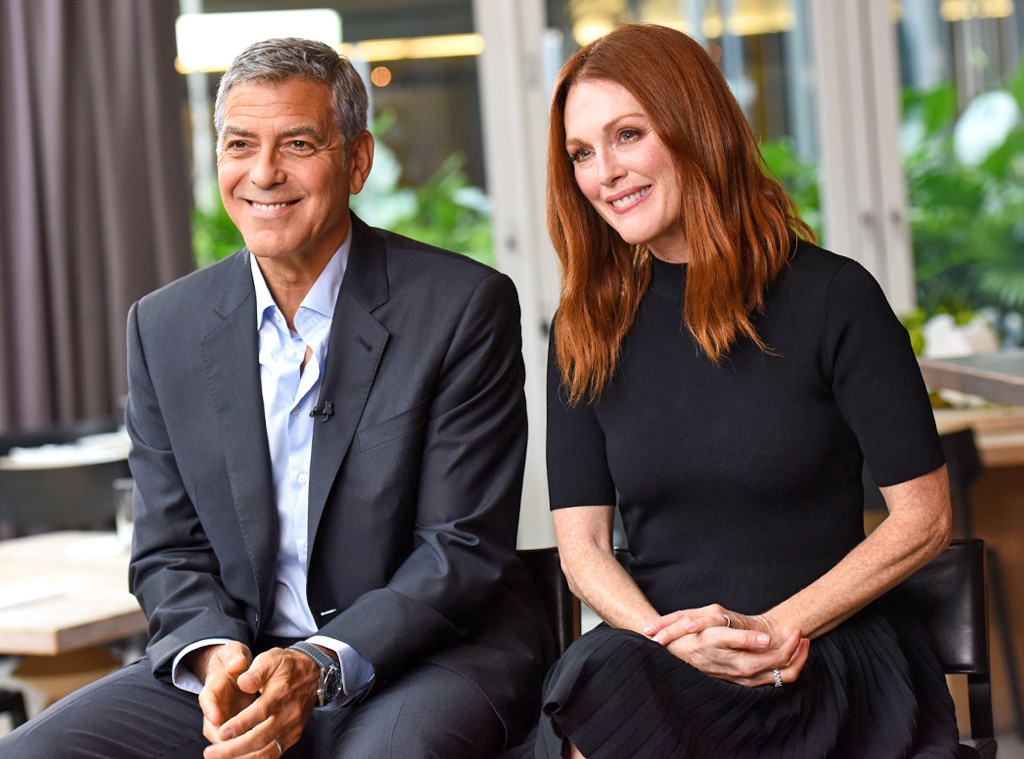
353,354
231,356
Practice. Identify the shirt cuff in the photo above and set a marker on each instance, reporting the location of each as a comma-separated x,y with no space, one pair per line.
182,676
357,673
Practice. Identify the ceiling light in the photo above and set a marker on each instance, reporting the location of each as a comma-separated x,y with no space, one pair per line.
210,41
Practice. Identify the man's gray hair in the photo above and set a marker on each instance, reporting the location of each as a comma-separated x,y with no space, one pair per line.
278,60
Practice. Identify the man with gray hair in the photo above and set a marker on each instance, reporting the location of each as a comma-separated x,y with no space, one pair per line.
328,439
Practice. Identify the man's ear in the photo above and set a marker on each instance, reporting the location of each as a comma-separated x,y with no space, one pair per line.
360,161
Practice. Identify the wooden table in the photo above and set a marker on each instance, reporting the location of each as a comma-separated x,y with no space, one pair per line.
997,377
74,591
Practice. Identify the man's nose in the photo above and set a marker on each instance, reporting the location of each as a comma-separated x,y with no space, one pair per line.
266,170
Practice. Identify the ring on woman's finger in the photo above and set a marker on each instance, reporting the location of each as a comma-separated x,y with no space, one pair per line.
280,748
728,622
778,677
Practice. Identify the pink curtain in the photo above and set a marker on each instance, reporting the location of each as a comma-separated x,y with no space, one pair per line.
94,196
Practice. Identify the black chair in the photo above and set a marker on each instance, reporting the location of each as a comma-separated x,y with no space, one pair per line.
12,702
77,497
964,466
60,497
963,463
949,596
561,606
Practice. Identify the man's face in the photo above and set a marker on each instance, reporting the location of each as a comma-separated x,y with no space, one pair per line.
282,171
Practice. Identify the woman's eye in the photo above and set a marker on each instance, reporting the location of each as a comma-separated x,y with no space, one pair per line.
580,155
627,135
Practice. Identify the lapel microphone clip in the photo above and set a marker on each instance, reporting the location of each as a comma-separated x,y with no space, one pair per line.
324,412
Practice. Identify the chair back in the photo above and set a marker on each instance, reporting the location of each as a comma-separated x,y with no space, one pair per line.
79,497
561,606
949,596
39,494
964,467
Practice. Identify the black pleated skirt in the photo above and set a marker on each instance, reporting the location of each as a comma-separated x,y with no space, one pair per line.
871,689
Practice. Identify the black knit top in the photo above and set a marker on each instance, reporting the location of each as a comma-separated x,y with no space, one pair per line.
741,483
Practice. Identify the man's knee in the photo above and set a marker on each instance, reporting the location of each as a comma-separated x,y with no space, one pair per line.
421,738
404,720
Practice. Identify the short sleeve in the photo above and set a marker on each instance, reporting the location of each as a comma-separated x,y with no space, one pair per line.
577,463
877,381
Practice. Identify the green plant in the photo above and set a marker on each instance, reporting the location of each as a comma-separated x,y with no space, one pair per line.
445,210
798,175
214,235
966,217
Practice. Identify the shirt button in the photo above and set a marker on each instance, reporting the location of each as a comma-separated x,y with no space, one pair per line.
303,478
277,317
291,353
295,412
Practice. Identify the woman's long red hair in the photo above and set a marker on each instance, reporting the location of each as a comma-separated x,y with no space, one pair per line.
740,226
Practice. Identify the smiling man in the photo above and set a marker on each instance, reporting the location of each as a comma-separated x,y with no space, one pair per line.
328,436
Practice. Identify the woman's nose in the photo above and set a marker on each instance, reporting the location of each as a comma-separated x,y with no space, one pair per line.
608,167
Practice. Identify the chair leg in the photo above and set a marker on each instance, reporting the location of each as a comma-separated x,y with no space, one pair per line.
13,703
979,700
1002,614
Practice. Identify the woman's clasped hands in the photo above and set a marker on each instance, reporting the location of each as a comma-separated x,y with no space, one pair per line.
741,649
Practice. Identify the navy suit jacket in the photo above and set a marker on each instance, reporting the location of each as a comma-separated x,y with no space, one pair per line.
414,481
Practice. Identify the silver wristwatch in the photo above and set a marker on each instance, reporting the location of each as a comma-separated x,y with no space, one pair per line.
328,687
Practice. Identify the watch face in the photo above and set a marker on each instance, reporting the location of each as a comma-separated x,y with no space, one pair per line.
329,687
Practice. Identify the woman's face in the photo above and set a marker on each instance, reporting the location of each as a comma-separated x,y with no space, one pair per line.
623,168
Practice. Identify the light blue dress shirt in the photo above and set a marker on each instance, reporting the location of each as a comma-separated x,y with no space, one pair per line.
290,392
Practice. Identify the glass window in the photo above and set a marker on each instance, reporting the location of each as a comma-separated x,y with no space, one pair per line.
963,148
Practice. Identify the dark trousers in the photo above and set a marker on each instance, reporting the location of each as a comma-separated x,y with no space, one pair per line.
427,712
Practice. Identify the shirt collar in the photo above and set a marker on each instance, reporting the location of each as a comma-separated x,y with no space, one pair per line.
322,296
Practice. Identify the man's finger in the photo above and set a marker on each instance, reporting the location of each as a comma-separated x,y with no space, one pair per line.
250,717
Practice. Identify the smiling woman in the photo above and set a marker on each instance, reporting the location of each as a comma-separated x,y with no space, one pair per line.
714,375
627,131
623,167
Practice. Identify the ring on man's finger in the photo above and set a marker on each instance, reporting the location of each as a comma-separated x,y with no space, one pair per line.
778,677
728,622
280,748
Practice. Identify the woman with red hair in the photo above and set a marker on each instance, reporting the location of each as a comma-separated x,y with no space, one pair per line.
723,381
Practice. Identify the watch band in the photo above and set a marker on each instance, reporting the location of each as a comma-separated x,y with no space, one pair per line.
324,661
329,685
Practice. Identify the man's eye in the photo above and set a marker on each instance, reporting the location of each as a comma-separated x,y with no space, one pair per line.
300,146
